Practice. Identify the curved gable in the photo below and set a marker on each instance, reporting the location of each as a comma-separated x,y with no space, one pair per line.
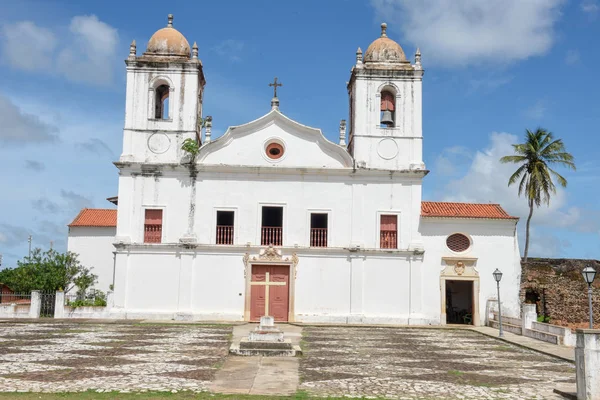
303,146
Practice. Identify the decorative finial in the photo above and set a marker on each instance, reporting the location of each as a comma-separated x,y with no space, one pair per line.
359,56
195,51
208,126
275,103
383,30
343,132
418,58
170,18
132,50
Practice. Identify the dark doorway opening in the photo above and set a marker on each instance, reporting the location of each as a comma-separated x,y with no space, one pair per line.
459,302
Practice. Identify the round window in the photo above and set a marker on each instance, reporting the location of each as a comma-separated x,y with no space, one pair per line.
274,151
458,242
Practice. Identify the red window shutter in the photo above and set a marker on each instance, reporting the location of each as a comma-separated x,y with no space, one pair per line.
389,223
153,226
387,101
388,235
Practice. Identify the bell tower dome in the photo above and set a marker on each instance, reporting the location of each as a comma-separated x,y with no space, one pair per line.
385,107
163,106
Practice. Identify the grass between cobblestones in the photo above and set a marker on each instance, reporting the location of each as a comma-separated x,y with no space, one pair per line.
153,395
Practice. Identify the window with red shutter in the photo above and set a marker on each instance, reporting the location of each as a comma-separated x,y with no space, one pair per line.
388,235
153,226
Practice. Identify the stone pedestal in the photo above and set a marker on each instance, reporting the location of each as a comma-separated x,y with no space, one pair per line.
529,317
265,340
587,361
266,331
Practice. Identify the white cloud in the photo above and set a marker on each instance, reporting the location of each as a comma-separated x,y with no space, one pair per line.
590,6
28,46
537,110
86,53
489,83
19,127
230,49
462,32
448,161
92,53
486,181
95,145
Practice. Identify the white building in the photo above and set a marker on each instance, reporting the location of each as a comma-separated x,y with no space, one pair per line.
272,218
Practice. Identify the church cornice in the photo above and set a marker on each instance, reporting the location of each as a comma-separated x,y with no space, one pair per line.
142,167
168,248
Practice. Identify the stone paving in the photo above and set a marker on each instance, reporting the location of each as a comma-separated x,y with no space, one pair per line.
424,364
111,357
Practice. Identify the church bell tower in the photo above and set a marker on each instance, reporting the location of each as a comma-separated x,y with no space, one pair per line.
385,92
163,106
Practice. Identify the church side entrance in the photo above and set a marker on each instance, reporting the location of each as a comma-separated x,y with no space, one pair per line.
269,292
459,302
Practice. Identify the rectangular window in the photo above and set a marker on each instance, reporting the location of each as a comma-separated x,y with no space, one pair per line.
272,226
318,230
153,226
225,227
388,236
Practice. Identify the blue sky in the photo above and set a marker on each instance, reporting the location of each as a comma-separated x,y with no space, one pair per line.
493,69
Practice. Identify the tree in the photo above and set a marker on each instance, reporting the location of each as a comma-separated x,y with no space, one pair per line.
49,271
536,154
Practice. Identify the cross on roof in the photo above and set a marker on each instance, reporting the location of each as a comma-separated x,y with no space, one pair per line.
274,85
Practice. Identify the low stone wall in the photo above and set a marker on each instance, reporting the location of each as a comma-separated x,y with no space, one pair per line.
29,309
63,311
86,312
8,310
528,326
557,288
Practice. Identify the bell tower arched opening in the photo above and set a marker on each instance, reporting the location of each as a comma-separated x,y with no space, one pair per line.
161,102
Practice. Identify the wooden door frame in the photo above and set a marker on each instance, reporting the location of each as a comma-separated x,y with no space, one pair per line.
272,257
459,269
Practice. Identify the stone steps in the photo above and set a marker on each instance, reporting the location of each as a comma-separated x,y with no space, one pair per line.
532,333
516,329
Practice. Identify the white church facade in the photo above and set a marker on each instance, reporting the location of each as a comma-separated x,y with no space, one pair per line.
272,218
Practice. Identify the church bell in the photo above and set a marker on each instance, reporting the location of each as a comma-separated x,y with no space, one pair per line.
387,118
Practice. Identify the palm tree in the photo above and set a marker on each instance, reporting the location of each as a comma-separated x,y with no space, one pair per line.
535,155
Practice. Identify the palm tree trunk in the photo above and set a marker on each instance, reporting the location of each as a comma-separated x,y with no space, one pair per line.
527,231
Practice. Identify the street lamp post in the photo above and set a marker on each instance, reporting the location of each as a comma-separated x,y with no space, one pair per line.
497,277
589,274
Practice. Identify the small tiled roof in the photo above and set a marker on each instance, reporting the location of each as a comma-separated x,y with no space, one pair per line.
95,217
442,209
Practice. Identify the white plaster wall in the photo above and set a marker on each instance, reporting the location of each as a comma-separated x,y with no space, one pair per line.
300,150
328,287
370,140
354,205
494,244
95,248
140,124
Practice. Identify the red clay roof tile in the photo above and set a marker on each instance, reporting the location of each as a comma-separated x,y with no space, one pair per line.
463,210
95,217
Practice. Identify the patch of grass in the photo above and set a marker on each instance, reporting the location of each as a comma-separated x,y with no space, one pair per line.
455,372
503,348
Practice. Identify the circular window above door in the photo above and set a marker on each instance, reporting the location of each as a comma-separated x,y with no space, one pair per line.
458,243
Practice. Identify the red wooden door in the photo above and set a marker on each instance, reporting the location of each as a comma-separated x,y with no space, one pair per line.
269,283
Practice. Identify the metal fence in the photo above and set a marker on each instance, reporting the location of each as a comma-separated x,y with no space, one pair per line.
15,298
